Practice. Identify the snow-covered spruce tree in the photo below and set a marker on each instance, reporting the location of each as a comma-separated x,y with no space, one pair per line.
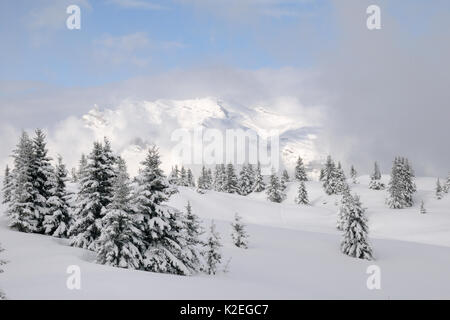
7,186
401,186
302,194
422,208
42,179
231,182
354,175
300,171
212,253
246,181
284,179
120,241
82,164
58,220
274,190
239,235
438,190
193,254
2,263
259,185
446,187
219,177
190,178
161,225
94,196
330,177
174,177
375,179
21,210
355,243
340,179
183,177
345,205
322,175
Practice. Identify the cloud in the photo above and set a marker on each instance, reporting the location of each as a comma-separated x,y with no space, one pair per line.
137,4
127,49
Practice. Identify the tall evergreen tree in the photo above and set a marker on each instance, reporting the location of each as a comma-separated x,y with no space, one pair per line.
274,189
183,177
174,177
300,172
204,180
231,182
57,221
355,243
284,179
401,186
438,190
161,225
259,185
330,177
7,186
354,175
190,178
375,179
21,210
239,235
42,178
219,178
95,194
193,257
302,194
246,180
345,206
340,179
82,167
120,240
213,256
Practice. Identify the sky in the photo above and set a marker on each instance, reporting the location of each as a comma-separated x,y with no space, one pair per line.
385,91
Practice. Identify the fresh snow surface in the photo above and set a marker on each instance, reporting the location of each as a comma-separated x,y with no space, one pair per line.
294,253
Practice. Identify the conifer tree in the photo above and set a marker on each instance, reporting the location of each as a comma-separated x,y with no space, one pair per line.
330,177
274,189
246,180
174,177
212,253
355,243
94,196
375,179
7,186
120,240
42,178
82,167
239,235
322,175
161,225
231,182
193,257
219,178
401,185
438,190
340,179
21,211
58,220
183,177
345,205
354,175
190,178
300,172
284,179
259,185
422,208
446,187
302,194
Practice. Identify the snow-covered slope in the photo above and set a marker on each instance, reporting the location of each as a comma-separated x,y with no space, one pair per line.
294,253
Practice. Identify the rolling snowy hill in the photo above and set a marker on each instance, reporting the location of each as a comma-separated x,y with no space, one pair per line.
294,253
